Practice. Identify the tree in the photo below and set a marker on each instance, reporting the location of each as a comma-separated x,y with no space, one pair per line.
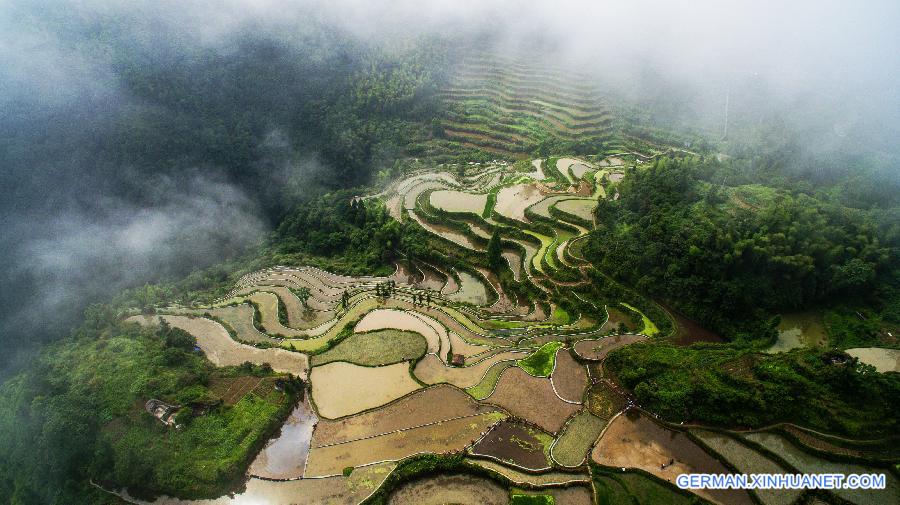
303,295
495,251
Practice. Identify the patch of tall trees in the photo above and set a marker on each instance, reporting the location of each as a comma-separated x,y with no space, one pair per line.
678,237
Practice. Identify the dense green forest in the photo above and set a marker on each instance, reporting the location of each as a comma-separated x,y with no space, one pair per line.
78,416
729,254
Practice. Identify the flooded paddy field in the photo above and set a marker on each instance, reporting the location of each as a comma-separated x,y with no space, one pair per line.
472,289
458,201
800,329
884,360
522,445
583,209
340,389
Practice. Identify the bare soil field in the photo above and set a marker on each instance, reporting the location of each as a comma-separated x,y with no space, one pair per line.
427,406
634,441
531,398
569,377
600,348
341,389
445,436
517,443
448,489
222,350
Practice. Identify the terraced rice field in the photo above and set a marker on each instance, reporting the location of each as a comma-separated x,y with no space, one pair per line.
577,438
393,376
431,370
634,441
569,377
424,407
531,398
341,389
444,436
748,461
808,463
444,489
458,201
375,348
508,106
583,209
600,348
222,350
519,444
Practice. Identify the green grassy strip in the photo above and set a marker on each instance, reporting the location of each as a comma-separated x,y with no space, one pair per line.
540,363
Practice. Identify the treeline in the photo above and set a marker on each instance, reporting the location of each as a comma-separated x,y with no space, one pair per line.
678,233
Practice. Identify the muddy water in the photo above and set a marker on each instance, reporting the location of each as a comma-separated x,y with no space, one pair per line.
458,201
340,388
380,319
445,232
580,208
513,200
285,456
884,360
472,289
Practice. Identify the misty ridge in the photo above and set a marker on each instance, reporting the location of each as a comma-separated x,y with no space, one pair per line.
145,140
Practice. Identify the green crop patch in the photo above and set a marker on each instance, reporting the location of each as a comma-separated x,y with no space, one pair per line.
540,363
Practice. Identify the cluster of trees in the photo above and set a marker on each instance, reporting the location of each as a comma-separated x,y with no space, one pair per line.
730,385
78,415
359,233
717,258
